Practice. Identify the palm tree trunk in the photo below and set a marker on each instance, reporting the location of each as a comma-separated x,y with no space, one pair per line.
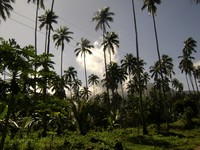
86,84
158,52
61,63
36,26
49,32
104,53
159,58
187,83
110,54
138,73
45,46
191,81
195,80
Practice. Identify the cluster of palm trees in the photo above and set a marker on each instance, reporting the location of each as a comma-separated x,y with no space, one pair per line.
32,75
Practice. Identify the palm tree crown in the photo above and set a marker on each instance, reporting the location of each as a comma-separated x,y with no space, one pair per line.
150,5
47,19
5,8
110,40
103,17
85,47
62,35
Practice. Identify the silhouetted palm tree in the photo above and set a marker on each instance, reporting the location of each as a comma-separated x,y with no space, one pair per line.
151,8
110,40
85,93
61,35
46,21
138,73
94,80
39,4
103,17
85,47
128,63
186,64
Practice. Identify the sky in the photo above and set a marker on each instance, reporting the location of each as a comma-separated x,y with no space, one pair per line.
176,21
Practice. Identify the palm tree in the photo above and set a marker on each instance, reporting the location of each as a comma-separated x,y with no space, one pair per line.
151,8
186,64
46,20
62,34
85,93
70,76
40,4
103,17
114,77
110,40
85,47
59,87
167,69
189,46
94,80
5,8
177,85
128,63
45,72
138,73
122,77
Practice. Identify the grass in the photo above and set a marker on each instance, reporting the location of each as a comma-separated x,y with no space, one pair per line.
176,139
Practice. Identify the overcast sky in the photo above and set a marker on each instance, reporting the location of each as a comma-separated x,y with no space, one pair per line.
176,21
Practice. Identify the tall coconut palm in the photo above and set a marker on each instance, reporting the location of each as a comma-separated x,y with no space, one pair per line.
186,64
94,80
110,40
49,30
150,5
5,8
189,46
46,21
138,73
85,47
61,35
167,66
103,17
39,4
